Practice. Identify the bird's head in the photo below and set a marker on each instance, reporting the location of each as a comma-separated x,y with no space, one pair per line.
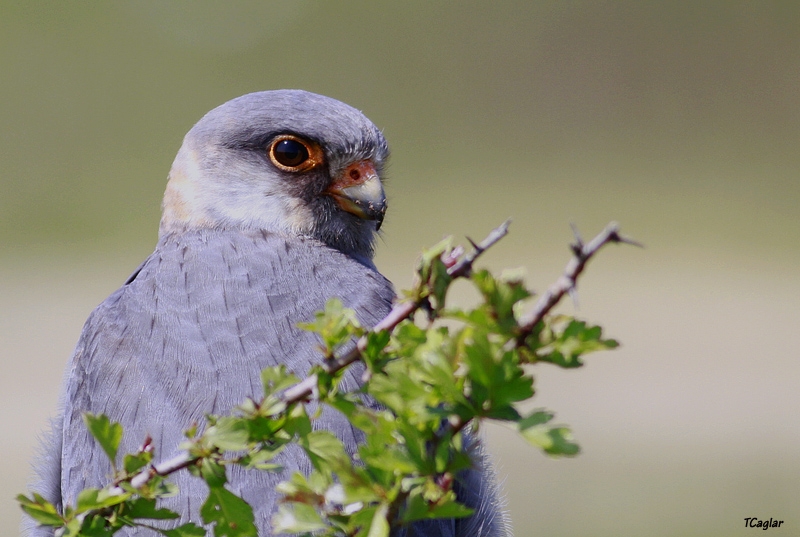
285,161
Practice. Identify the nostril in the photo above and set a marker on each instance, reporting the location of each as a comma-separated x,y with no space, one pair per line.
355,175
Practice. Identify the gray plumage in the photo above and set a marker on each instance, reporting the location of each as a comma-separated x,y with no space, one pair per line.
247,249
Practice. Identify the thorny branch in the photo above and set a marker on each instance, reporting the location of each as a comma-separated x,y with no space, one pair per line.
462,267
566,283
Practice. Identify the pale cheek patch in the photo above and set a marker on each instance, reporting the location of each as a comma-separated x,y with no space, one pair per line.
180,205
174,205
299,217
277,212
231,194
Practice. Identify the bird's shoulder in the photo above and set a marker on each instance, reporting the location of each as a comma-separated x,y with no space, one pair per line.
249,266
230,296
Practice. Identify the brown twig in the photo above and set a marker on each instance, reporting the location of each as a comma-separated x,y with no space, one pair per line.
567,282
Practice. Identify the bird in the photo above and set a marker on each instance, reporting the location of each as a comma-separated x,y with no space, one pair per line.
272,206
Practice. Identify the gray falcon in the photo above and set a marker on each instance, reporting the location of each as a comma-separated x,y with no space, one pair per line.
271,208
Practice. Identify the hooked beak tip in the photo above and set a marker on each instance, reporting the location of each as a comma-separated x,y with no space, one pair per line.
358,191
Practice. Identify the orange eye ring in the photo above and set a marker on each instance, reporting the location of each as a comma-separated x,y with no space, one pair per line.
291,153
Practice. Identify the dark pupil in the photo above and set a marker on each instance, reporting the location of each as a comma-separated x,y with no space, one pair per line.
290,153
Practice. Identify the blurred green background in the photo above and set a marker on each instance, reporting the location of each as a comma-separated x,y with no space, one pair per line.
679,119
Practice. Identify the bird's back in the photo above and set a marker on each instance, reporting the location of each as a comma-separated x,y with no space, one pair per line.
189,335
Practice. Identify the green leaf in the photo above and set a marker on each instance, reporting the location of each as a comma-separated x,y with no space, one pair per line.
431,255
97,526
296,517
106,432
213,473
445,506
186,530
146,508
277,378
416,507
262,429
41,510
478,356
553,440
73,529
450,509
389,459
336,325
401,394
442,456
229,434
380,522
537,417
501,296
407,337
260,459
272,406
439,284
232,515
345,403
326,452
374,354
570,342
89,499
510,383
503,413
299,488
433,280
562,444
298,422
132,463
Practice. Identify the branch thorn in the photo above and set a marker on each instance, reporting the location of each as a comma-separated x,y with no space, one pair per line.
576,234
627,240
573,294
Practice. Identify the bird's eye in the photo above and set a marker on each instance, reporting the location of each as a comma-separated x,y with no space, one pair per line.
290,153
293,154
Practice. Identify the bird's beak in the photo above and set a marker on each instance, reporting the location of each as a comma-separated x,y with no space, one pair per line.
358,190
